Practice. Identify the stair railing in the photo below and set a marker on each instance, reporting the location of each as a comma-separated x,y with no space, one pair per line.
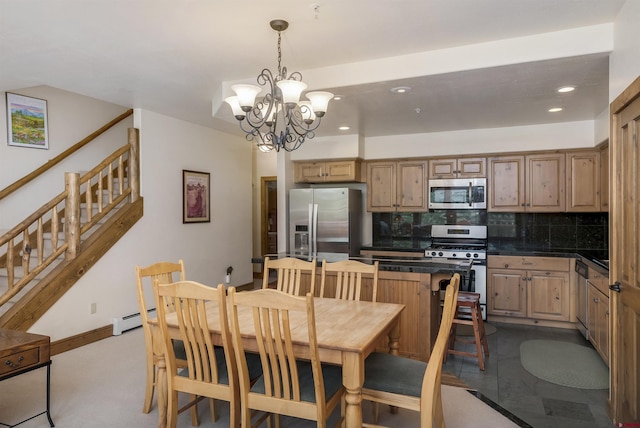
98,192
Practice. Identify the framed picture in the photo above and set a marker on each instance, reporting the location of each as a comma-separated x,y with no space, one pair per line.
27,121
195,197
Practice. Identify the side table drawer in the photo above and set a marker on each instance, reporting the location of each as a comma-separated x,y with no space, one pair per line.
19,360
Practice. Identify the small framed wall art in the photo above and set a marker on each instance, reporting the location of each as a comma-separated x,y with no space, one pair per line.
27,121
195,197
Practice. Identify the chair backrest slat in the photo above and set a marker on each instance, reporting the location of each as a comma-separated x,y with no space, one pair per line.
349,275
271,314
289,271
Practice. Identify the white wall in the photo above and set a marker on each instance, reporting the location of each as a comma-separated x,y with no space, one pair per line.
624,65
167,147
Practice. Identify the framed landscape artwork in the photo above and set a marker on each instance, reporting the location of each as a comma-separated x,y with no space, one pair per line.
27,121
195,197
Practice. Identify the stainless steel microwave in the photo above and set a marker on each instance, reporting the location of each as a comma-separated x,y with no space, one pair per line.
458,193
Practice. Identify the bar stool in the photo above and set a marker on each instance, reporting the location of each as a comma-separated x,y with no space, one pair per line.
471,304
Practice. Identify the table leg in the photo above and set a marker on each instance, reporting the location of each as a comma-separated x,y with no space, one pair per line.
353,379
394,346
49,395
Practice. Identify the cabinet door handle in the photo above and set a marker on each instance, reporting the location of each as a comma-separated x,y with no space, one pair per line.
506,265
524,278
529,279
596,300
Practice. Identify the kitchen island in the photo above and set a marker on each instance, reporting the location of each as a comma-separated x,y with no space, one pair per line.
411,281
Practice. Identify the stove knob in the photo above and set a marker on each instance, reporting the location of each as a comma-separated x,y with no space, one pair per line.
433,253
476,255
469,255
440,254
454,255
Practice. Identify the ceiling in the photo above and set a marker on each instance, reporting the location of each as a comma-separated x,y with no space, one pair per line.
173,56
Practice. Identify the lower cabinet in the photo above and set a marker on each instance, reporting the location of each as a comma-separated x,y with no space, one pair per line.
538,288
598,319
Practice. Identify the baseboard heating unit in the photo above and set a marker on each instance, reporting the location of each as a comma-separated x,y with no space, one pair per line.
129,322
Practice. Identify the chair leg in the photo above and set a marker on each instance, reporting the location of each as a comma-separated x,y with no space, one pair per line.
476,334
212,409
151,381
195,419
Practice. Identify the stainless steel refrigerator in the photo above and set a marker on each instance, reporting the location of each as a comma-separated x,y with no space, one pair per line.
325,222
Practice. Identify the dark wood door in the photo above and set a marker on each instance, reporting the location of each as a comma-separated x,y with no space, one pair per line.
625,257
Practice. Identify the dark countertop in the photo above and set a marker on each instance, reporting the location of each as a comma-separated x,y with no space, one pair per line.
416,264
599,257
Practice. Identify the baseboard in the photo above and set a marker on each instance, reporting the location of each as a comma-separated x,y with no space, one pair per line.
69,343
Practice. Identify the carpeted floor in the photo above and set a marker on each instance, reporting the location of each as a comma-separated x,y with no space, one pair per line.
102,385
564,363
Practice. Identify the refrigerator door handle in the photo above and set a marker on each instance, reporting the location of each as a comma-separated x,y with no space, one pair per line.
314,230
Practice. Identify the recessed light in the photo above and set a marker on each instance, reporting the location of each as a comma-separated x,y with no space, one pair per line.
344,128
337,97
566,89
400,89
555,109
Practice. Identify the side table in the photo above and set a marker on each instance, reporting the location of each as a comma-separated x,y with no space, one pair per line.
22,352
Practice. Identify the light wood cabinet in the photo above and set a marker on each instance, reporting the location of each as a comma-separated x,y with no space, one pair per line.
458,168
397,186
529,287
342,171
533,183
598,312
604,178
583,181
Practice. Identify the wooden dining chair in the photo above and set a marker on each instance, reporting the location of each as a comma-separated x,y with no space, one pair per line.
289,271
348,285
412,384
146,277
211,370
302,389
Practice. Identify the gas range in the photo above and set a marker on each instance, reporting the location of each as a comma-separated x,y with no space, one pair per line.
463,242
458,242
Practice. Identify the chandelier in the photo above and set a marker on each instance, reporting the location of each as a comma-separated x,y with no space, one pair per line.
278,120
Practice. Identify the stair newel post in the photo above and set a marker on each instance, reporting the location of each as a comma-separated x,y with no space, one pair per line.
72,214
134,163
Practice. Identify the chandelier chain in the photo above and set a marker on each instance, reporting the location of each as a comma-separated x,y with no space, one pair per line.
279,53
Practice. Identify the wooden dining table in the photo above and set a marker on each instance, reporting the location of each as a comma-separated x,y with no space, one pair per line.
347,332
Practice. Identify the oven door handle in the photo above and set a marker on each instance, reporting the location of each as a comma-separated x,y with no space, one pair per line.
470,193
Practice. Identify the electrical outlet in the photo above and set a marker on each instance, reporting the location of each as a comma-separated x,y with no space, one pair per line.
94,308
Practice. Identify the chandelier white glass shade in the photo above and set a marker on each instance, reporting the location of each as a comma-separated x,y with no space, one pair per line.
278,120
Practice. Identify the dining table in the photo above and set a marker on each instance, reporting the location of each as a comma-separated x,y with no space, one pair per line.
347,332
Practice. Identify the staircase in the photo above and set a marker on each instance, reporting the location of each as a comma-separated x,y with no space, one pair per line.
46,253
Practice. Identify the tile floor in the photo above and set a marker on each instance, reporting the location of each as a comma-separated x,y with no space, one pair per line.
539,403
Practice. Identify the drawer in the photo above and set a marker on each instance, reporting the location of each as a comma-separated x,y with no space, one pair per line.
561,264
19,360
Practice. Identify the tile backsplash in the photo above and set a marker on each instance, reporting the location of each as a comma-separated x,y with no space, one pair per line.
562,232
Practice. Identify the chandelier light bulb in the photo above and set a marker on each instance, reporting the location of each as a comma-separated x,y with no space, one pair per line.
235,107
291,91
308,115
319,101
246,95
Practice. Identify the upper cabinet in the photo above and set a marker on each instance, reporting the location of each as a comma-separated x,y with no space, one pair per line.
583,181
533,183
342,171
397,186
458,168
604,178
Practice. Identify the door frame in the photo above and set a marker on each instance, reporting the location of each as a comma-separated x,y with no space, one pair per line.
264,188
616,392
